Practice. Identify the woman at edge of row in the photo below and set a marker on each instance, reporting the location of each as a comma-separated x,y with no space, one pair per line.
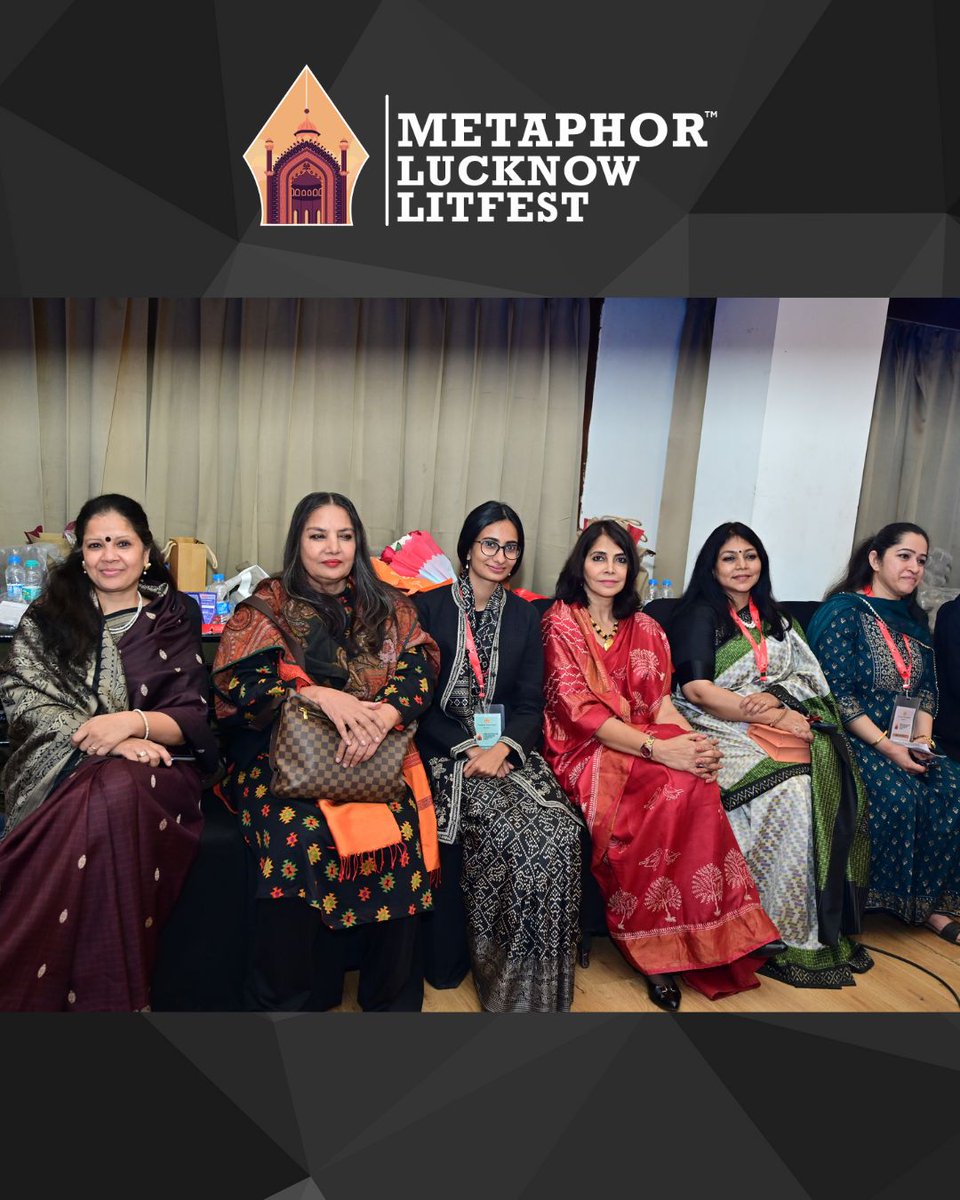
873,642
334,882
509,838
744,673
106,697
678,894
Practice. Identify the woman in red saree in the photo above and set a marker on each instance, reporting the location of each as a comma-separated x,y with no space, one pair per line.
679,896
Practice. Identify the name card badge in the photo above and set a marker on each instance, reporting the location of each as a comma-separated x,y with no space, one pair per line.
904,718
488,725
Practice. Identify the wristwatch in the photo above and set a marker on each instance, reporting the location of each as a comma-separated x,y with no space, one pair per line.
646,750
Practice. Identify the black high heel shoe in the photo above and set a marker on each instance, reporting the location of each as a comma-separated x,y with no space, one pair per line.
664,995
771,949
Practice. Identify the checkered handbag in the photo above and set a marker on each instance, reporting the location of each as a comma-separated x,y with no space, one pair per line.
304,742
303,749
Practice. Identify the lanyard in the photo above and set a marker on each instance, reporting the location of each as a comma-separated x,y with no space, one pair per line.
759,647
904,669
474,657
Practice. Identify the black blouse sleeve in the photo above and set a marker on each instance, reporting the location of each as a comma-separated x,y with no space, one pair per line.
693,644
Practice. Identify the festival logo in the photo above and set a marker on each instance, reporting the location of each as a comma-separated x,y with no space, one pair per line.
306,159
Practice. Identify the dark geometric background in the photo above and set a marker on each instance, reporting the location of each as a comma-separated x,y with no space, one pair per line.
833,169
833,166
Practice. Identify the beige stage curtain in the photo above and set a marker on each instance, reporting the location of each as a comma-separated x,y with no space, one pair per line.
221,414
683,442
910,473
416,409
73,396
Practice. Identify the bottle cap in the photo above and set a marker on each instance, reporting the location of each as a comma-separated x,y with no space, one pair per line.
13,559
668,583
218,577
32,562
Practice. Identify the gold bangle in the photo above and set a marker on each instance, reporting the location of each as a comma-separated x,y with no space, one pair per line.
879,739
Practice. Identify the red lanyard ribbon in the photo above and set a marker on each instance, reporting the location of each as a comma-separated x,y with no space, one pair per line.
473,656
904,669
759,647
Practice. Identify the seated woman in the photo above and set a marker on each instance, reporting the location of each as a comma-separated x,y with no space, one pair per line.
509,837
106,697
873,643
332,878
679,895
746,676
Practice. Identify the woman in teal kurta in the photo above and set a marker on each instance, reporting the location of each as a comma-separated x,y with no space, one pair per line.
873,643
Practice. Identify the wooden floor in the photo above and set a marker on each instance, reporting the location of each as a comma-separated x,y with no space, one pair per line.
610,985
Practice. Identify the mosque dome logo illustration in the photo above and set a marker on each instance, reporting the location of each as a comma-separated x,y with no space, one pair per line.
310,181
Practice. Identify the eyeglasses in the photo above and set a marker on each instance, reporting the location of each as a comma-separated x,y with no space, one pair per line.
489,547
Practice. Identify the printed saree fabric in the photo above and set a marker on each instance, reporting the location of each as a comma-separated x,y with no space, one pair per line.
91,867
914,819
520,834
679,895
801,826
355,863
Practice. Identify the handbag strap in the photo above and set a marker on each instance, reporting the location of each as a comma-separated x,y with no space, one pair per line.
293,645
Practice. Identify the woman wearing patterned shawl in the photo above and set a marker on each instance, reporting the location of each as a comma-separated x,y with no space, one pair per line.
334,882
510,839
679,895
745,672
106,698
874,645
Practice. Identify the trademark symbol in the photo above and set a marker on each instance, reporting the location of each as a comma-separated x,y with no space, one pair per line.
710,112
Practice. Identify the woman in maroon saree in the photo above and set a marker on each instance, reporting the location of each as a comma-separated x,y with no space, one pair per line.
679,897
106,698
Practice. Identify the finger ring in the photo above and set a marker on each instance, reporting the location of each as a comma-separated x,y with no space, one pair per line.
141,754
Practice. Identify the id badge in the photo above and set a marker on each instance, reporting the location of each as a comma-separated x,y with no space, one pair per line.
488,725
903,718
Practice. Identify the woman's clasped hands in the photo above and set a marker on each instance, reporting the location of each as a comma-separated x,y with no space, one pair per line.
693,752
362,724
119,734
767,710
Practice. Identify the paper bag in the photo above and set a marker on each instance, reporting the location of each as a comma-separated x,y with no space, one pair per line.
187,559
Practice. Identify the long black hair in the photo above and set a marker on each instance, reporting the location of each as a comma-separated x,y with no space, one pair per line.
859,572
488,513
703,587
570,587
373,599
69,623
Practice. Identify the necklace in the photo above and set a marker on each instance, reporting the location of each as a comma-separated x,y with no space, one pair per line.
606,638
116,631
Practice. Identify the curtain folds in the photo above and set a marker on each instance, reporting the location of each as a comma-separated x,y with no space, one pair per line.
683,441
910,473
220,414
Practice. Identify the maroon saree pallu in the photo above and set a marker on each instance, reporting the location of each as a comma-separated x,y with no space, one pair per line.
86,883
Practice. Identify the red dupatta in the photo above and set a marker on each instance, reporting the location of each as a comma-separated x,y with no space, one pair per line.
582,693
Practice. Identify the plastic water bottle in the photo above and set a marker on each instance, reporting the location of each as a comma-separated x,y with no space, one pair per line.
14,578
32,580
666,592
653,590
223,604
